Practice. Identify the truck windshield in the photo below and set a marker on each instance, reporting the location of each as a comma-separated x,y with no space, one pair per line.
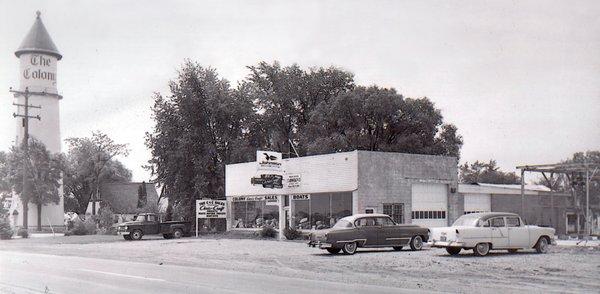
139,218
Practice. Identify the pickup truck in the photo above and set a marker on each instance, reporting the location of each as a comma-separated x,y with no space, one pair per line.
149,224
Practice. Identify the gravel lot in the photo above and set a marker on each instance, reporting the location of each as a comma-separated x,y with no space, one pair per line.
563,269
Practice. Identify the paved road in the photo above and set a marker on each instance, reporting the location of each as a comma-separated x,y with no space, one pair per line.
38,273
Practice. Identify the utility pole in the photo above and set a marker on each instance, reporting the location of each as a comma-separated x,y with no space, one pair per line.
25,193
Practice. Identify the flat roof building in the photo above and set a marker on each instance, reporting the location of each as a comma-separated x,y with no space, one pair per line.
318,190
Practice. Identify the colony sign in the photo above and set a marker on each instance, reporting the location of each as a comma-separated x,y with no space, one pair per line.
41,68
208,208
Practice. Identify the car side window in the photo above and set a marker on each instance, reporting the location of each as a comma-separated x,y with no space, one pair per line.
485,224
513,222
365,222
384,221
497,222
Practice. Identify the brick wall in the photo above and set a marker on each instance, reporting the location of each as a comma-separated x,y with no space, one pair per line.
385,177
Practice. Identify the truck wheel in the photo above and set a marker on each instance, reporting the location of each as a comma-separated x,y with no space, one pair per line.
333,250
416,243
542,245
481,249
453,250
136,235
349,248
127,237
167,236
177,233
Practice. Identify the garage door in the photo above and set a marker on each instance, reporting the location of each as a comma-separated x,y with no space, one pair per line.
478,203
430,205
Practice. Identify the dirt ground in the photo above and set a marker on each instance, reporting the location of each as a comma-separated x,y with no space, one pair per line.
563,269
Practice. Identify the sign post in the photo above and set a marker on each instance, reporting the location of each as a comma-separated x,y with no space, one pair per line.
209,208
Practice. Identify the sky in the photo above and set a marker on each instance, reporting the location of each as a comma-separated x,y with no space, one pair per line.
520,79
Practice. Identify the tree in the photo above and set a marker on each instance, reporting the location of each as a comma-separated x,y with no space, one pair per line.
90,163
43,174
482,172
286,97
201,126
379,119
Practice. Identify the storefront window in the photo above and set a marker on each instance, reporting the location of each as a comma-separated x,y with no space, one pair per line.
321,211
254,214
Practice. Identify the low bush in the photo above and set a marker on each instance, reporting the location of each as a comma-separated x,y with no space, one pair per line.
291,233
87,227
6,230
267,232
23,233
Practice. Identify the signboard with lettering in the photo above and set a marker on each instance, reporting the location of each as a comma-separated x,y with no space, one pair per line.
269,160
268,198
294,180
300,196
208,208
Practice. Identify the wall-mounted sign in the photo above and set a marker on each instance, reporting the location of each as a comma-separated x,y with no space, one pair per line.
269,160
268,198
268,181
208,208
294,181
301,197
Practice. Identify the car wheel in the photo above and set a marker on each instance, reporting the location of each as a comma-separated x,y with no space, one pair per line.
136,235
333,250
513,250
481,249
397,248
542,245
167,236
127,237
453,250
349,248
177,233
416,243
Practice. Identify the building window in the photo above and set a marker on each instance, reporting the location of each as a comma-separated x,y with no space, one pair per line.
254,214
321,211
395,211
435,214
474,211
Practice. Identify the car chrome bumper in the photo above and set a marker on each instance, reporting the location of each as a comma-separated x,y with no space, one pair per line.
319,244
441,244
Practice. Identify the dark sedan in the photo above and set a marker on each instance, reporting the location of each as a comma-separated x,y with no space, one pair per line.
368,230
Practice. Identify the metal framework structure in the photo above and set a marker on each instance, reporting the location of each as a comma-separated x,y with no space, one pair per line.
569,170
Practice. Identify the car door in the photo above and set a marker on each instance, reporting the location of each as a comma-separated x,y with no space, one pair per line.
368,231
499,232
518,234
392,234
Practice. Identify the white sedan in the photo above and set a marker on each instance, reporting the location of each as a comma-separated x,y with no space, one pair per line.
483,232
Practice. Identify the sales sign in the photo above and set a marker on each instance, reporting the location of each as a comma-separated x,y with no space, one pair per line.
208,208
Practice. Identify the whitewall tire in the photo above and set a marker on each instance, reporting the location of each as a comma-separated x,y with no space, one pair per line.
416,243
350,248
481,249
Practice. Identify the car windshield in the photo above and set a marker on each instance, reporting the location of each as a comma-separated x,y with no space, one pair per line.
342,224
466,221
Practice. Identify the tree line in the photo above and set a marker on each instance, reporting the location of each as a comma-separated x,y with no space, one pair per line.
88,163
204,123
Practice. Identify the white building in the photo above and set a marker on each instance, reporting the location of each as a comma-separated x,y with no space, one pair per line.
319,190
